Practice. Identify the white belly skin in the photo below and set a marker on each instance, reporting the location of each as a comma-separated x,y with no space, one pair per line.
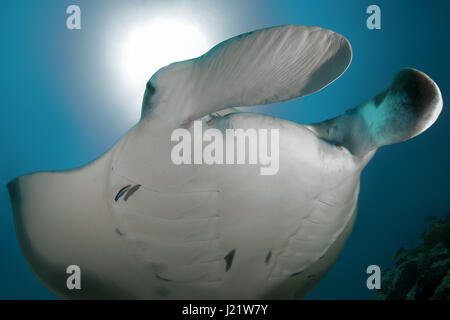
170,238
294,217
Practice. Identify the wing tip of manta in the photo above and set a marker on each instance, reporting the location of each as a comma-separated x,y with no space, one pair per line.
263,66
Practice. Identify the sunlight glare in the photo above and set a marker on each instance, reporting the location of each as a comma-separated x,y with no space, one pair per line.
151,46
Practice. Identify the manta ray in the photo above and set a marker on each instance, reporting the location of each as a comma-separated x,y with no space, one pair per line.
141,227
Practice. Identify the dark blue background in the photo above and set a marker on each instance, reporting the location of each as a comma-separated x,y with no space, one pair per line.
62,106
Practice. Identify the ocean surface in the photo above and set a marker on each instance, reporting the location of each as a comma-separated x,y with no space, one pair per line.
64,102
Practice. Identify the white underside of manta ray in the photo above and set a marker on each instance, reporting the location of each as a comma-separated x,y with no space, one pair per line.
140,226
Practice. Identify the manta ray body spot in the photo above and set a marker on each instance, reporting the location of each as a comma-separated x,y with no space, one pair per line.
229,259
269,255
162,278
295,274
119,232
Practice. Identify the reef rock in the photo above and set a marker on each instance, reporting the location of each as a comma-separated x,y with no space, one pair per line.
421,273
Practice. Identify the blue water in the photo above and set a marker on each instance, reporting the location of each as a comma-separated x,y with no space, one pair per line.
61,106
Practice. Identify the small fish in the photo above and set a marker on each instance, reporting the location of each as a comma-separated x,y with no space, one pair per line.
131,191
121,192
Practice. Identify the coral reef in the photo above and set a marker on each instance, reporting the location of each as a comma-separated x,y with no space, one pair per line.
421,273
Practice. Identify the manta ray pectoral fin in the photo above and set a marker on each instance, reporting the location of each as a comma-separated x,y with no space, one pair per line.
264,66
409,106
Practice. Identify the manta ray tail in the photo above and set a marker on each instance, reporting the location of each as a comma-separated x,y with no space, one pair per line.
409,106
